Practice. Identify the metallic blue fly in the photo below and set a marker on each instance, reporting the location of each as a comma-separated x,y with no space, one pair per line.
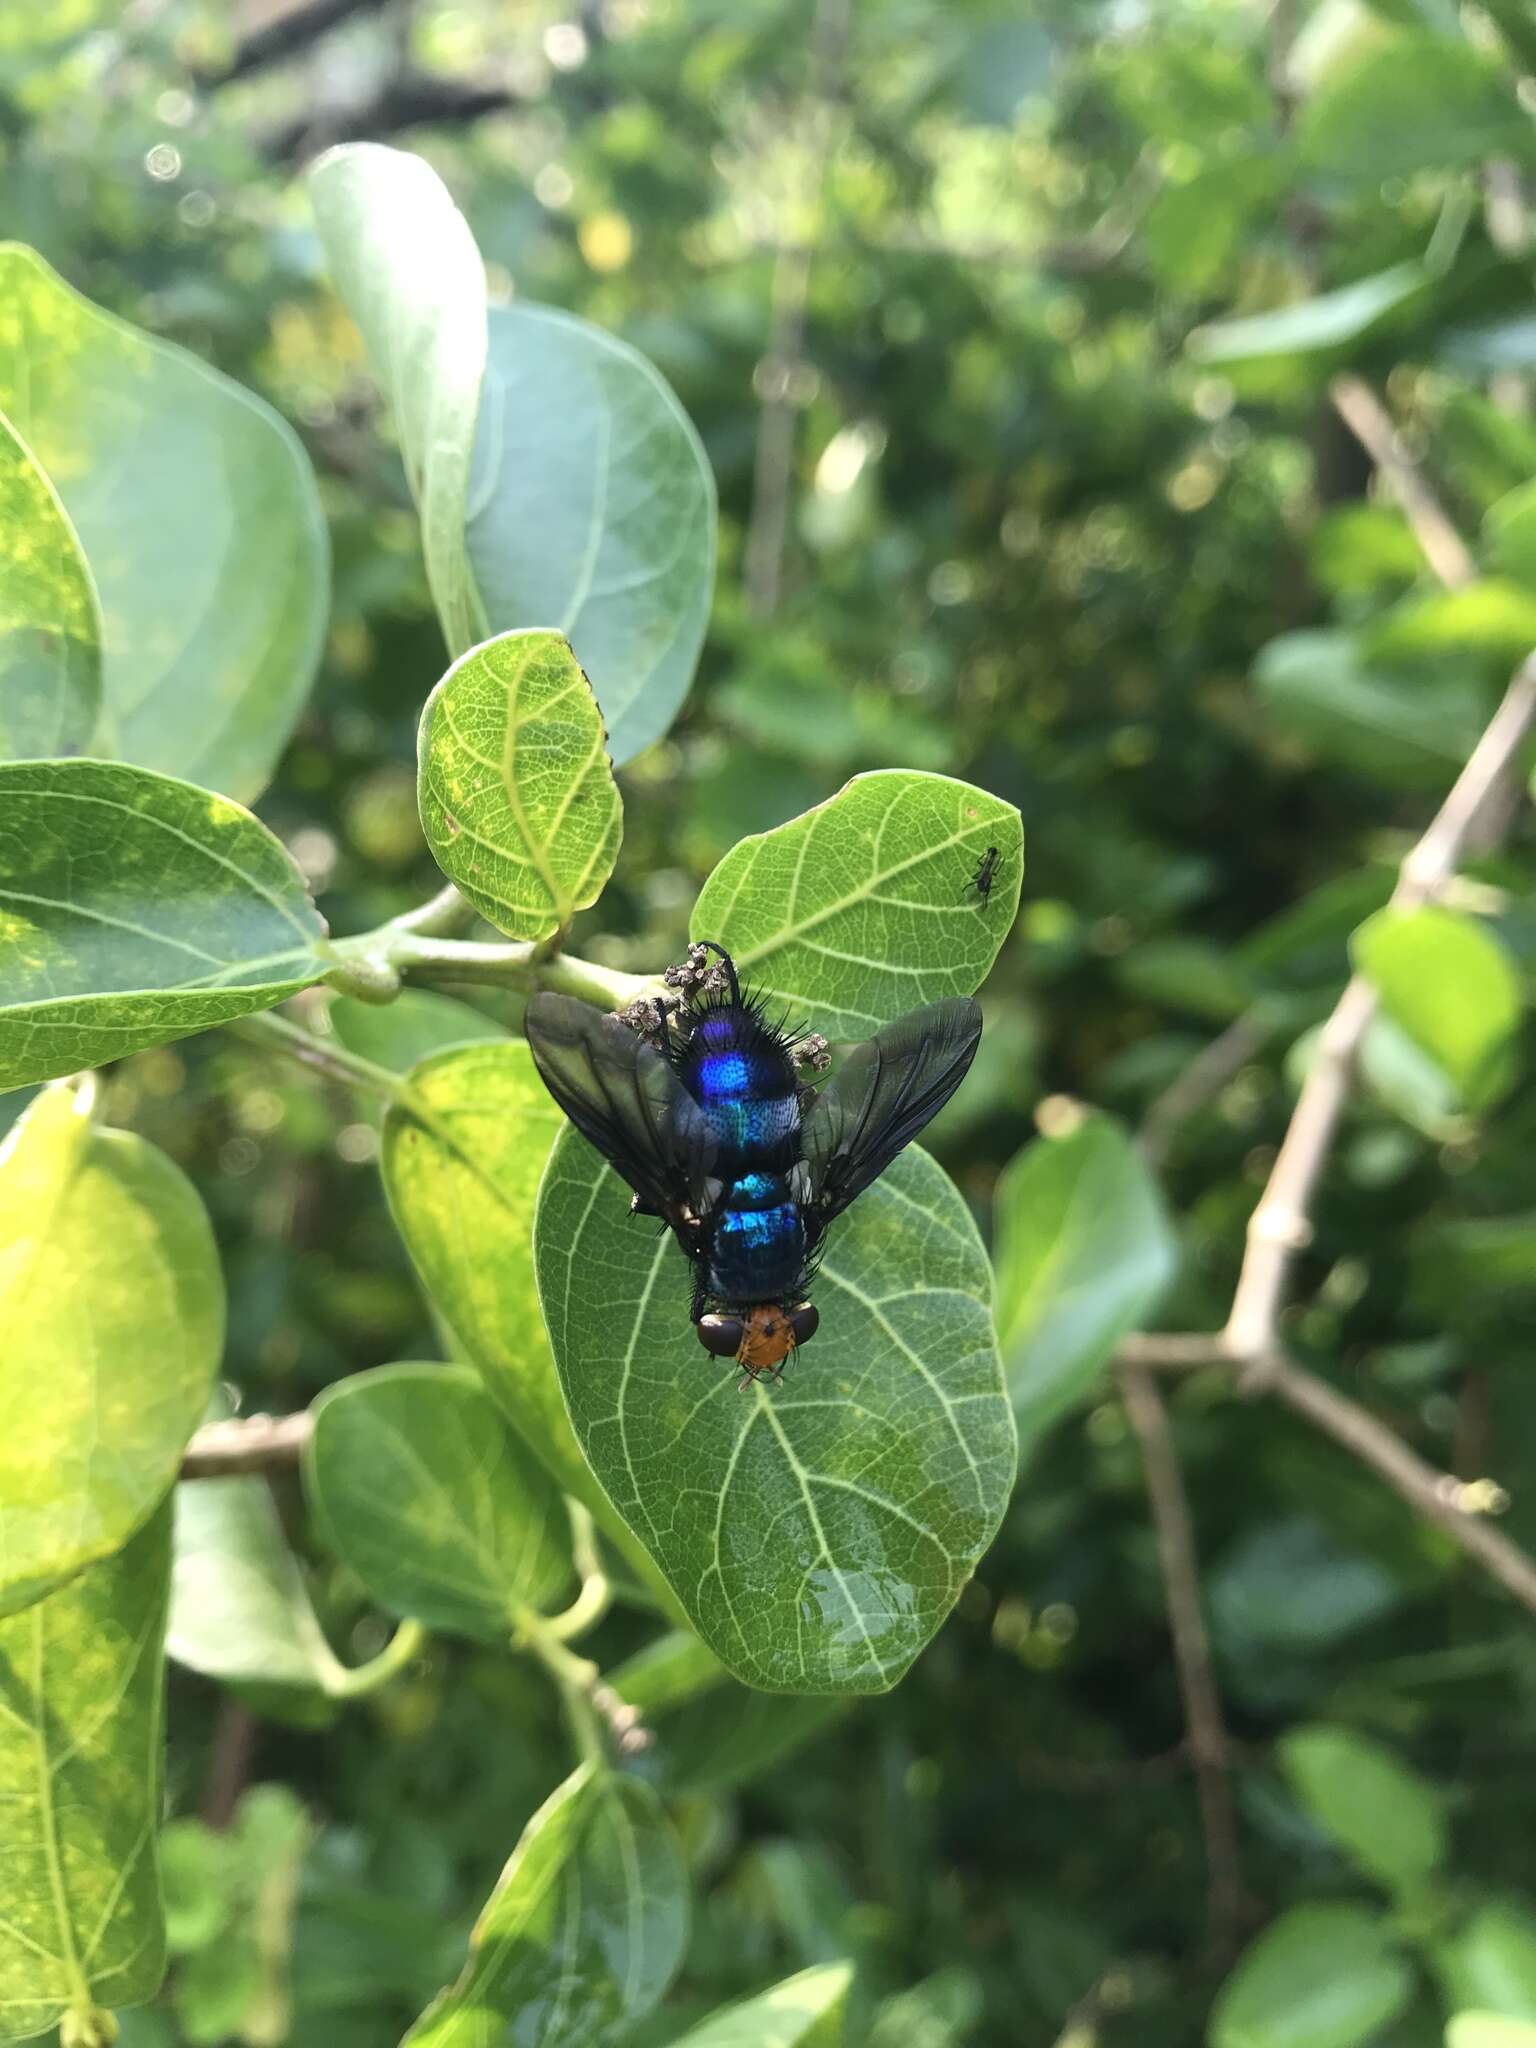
698,1101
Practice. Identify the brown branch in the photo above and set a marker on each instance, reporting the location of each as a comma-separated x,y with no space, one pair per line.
1371,424
1279,1226
1205,1727
285,36
256,1443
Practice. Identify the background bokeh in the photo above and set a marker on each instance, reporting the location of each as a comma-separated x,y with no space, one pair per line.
940,283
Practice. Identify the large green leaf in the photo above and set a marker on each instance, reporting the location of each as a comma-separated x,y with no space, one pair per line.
1445,980
863,907
424,1491
462,1181
584,1931
198,514
134,909
419,1021
1381,1814
80,1765
805,2011
50,619
592,509
1424,102
406,266
112,1305
1084,1249
817,1534
240,1612
518,800
1321,1976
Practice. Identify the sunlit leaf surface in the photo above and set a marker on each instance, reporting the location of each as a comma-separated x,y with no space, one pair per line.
50,621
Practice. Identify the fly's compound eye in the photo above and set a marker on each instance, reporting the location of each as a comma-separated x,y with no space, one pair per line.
720,1335
805,1322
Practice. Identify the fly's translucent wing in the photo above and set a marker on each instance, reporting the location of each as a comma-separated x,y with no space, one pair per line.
881,1097
624,1098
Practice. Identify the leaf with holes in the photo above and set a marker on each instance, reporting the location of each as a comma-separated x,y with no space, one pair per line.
407,268
80,1769
816,1535
112,1305
50,618
197,513
622,556
423,1490
461,1168
136,909
518,801
805,2011
584,1931
865,906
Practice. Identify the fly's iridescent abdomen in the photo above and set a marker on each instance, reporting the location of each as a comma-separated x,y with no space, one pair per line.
743,1079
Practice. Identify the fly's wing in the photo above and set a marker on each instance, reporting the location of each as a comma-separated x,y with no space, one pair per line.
624,1098
881,1097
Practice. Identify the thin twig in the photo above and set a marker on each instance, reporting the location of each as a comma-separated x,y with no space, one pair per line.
254,1443
1280,1226
1204,1724
287,35
1371,424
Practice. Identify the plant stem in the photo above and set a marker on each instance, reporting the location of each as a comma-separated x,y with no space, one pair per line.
281,1034
254,1443
595,1596
596,1713
406,1644
420,949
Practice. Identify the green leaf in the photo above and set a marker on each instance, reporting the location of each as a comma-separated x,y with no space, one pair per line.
1384,1816
1490,1962
1423,103
804,2011
669,1672
863,907
1490,616
407,269
418,1022
50,619
1488,2030
1321,1976
462,1180
112,1305
1446,981
1325,324
1509,528
592,509
518,800
1084,1249
584,1931
80,1768
733,1736
239,1609
136,909
882,1466
197,512
1406,731
423,1490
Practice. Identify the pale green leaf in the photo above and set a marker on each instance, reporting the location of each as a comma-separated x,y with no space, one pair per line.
134,909
1509,526
1422,103
112,1305
1384,1816
50,619
1491,616
1488,2030
80,1768
423,1490
418,1022
239,1608
864,907
592,509
584,1931
1489,1963
882,1466
1084,1249
1445,980
1321,1976
408,271
198,516
1409,731
462,1179
1326,324
518,800
670,1671
805,2011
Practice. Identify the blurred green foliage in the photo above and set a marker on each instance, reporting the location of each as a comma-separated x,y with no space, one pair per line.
1069,514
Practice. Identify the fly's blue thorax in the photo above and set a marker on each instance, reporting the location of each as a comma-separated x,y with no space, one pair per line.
757,1250
740,1073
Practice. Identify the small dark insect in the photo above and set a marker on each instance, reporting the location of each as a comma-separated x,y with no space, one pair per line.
986,872
698,1101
